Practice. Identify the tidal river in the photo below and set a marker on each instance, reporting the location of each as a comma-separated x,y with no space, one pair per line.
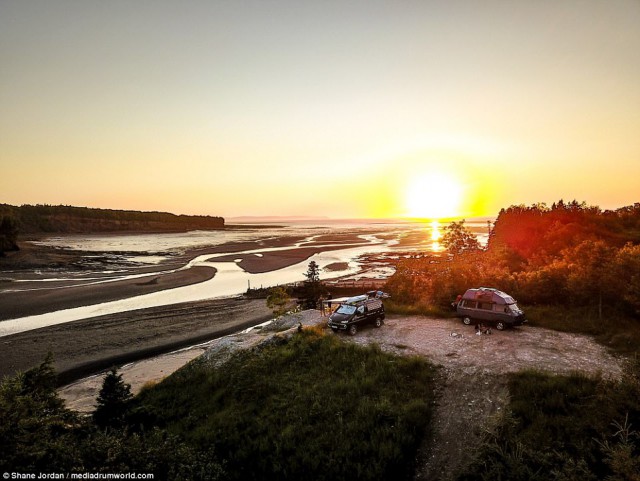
343,245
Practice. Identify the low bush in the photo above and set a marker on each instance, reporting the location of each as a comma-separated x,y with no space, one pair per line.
312,407
617,331
564,427
39,435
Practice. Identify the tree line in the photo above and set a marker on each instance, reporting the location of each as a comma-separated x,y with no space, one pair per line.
566,254
38,219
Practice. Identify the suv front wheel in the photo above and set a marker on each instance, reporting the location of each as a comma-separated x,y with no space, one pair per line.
352,330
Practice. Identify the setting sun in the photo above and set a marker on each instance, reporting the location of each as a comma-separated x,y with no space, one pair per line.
433,196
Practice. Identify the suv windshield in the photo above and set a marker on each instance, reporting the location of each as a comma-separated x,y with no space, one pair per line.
345,309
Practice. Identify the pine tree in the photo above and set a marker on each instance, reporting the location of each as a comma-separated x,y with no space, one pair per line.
113,401
313,286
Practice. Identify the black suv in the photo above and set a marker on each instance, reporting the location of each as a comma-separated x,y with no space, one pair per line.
356,311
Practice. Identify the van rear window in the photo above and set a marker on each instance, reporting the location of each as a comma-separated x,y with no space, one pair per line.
468,303
485,305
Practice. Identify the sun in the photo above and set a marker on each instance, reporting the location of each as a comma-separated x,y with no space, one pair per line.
433,196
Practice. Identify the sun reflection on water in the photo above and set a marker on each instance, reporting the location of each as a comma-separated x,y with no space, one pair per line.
436,234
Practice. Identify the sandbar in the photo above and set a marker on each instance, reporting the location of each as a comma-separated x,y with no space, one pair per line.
84,347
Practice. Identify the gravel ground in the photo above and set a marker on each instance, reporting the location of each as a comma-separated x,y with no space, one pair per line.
472,386
455,346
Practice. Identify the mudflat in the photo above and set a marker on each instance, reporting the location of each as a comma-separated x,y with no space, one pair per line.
22,303
83,347
40,279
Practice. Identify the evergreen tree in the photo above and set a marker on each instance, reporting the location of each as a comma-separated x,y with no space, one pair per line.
37,431
313,286
313,273
113,401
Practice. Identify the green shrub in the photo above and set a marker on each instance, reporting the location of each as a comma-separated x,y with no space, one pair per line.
312,407
563,427
39,435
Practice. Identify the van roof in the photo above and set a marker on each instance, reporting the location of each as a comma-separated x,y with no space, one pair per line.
489,294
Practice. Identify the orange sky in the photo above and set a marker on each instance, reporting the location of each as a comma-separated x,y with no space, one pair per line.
324,109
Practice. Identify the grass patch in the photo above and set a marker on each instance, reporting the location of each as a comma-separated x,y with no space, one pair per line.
563,427
312,407
615,330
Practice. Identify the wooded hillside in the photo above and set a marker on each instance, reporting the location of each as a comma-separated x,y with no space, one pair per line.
35,219
567,254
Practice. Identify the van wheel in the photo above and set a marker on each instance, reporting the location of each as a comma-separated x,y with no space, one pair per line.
352,330
500,326
466,321
378,322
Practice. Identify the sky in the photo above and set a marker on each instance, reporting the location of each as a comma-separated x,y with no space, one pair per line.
328,108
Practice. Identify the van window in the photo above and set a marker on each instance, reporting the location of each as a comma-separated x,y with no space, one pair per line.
468,303
515,309
486,305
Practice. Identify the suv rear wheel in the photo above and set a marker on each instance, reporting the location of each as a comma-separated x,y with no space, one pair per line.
378,322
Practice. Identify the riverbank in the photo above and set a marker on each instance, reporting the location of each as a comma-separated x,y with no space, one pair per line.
81,395
42,299
84,347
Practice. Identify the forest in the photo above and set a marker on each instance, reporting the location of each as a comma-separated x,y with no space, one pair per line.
568,255
47,219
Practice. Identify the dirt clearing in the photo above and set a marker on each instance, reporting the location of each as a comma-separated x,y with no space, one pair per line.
473,387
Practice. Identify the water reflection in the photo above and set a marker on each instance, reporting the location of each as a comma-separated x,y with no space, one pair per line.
436,234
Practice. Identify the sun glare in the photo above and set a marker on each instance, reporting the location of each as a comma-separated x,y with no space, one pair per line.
433,196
